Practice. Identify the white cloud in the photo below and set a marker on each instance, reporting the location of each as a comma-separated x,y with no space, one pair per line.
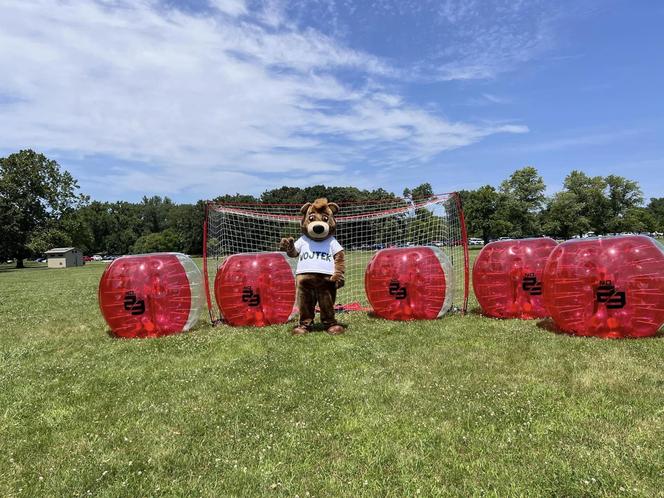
231,7
582,138
495,99
449,39
213,104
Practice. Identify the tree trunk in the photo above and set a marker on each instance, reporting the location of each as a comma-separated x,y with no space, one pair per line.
19,259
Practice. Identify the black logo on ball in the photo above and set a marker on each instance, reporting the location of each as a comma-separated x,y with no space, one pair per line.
607,294
397,290
250,297
531,285
133,304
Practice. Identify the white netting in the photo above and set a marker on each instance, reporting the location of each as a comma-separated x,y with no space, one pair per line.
362,229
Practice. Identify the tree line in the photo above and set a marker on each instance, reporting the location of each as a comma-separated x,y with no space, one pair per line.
599,204
41,207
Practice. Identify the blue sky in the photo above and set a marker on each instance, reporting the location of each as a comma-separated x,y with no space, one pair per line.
197,98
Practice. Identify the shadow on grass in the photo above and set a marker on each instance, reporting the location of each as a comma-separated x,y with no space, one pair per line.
548,325
373,316
12,268
287,326
475,311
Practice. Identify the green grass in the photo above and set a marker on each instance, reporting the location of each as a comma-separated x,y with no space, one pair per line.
460,406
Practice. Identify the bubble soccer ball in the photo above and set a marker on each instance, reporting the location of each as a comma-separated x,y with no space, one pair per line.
507,277
255,289
414,283
151,295
608,287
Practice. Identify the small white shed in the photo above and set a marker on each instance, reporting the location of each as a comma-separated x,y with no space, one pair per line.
64,257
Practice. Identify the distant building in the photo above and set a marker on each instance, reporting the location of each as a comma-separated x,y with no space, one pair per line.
64,257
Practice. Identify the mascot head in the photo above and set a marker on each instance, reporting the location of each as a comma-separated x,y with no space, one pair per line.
318,221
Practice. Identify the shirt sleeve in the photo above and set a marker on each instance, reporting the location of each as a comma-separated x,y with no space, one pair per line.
335,247
298,244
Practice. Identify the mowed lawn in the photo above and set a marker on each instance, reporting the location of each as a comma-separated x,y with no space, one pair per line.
459,406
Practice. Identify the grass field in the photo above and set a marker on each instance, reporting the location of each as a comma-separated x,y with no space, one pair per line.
460,406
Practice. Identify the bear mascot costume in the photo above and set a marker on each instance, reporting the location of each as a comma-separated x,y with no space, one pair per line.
320,266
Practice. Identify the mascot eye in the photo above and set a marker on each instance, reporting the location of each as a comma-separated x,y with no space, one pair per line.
312,218
325,218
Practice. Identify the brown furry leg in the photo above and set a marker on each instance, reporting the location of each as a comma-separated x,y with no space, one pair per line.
327,295
306,295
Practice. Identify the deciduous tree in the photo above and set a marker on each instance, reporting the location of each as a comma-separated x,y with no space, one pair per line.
564,216
33,191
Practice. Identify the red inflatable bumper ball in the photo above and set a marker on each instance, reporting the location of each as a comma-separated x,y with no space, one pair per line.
151,295
255,289
414,283
607,287
507,277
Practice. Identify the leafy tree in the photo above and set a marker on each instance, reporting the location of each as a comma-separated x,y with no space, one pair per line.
78,231
564,216
624,196
656,209
524,191
287,195
296,195
49,238
33,191
157,242
634,219
526,186
98,219
155,213
605,202
421,192
590,194
126,226
187,221
483,209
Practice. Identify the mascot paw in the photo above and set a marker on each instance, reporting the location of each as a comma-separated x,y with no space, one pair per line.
336,329
287,244
339,282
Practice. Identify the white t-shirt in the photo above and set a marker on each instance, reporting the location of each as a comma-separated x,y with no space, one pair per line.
316,256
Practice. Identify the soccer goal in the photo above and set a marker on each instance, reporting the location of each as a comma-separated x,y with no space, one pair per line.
363,228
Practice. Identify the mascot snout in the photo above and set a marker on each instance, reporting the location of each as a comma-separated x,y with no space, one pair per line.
318,230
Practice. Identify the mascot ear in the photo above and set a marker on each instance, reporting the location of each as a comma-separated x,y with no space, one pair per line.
333,207
305,208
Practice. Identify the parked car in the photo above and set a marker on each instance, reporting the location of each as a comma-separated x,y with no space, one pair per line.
474,241
87,259
96,257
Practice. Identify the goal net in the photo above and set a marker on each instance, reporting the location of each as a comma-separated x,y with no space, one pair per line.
363,228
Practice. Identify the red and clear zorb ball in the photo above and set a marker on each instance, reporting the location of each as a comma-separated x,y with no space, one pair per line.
255,289
607,287
413,283
507,277
151,295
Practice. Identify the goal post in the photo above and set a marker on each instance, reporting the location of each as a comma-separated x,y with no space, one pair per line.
363,228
